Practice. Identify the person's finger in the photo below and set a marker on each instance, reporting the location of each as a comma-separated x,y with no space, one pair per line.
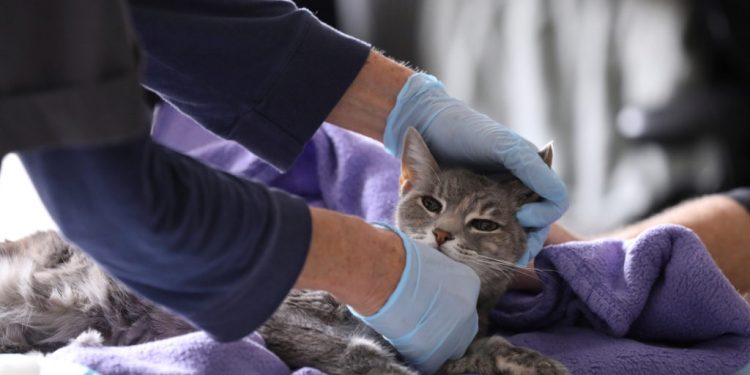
540,178
534,243
524,162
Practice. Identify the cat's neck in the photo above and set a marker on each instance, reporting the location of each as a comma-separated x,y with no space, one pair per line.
489,295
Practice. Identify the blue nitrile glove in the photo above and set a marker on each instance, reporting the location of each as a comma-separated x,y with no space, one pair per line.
431,316
459,136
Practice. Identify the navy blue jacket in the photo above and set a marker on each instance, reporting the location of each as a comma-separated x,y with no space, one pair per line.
219,250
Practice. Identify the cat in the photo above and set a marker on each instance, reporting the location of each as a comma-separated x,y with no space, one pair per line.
468,217
50,292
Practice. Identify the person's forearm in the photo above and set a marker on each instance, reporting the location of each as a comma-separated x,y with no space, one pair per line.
365,106
356,262
273,75
721,223
138,209
713,218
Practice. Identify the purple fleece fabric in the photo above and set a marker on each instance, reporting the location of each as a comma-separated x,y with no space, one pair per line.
337,169
656,305
190,354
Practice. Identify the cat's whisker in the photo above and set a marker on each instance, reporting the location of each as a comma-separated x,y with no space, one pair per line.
488,262
510,265
498,261
494,267
514,267
504,263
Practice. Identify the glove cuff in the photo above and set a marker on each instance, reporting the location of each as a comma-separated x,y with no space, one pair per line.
406,113
382,316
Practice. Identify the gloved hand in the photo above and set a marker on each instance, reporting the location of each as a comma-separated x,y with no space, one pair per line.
458,136
431,316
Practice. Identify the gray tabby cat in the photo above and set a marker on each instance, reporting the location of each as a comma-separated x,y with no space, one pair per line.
468,217
50,292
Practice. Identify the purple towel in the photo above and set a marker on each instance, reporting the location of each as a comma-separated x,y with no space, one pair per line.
190,354
657,305
337,169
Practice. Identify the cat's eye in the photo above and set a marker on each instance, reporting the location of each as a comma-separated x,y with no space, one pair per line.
431,204
484,225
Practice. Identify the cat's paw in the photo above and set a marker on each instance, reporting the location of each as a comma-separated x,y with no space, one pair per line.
364,356
495,355
89,337
527,362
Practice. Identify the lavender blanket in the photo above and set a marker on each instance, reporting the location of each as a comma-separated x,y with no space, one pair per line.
657,305
337,170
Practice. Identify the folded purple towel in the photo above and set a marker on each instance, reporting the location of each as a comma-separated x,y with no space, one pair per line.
657,305
337,169
190,354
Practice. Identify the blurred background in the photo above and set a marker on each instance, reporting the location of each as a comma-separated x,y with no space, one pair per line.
647,101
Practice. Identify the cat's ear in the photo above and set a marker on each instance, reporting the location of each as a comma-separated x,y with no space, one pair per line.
527,195
546,154
418,167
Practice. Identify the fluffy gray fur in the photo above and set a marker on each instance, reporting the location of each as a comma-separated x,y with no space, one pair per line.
50,292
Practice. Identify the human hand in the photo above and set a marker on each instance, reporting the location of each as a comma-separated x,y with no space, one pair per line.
459,136
431,316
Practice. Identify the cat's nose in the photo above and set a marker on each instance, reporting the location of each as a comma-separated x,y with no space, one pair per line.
441,236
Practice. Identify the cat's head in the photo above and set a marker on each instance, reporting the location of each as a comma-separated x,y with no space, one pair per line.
470,218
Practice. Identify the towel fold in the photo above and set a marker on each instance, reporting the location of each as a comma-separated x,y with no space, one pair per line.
337,169
194,353
655,305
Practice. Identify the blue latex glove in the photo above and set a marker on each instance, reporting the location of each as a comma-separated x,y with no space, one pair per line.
459,136
431,316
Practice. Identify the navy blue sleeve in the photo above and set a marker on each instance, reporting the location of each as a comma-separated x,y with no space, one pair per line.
262,73
219,250
741,195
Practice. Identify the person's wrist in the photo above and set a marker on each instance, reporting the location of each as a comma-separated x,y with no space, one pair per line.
387,266
356,262
365,105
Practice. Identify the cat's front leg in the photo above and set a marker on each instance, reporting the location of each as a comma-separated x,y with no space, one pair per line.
495,355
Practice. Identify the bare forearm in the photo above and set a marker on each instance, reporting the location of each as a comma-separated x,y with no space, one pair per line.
714,218
721,223
356,262
365,106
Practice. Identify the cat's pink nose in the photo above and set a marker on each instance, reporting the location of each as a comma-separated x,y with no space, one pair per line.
441,236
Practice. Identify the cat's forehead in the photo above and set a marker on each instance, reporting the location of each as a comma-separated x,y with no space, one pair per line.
466,191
